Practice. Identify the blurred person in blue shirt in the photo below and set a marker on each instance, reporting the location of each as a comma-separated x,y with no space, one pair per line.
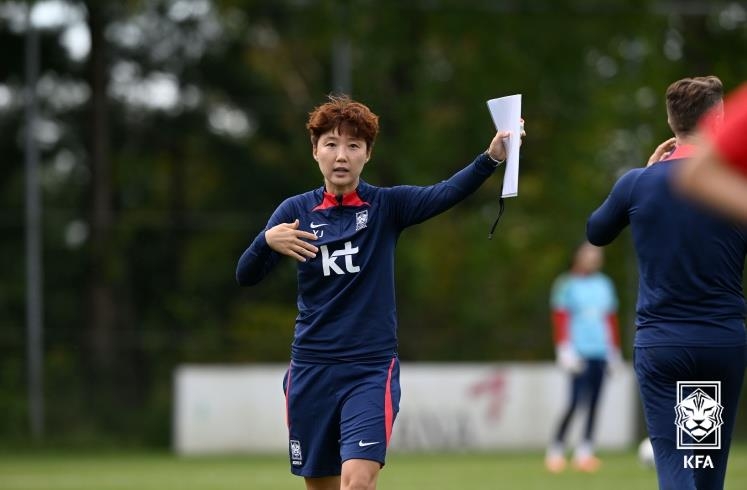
585,330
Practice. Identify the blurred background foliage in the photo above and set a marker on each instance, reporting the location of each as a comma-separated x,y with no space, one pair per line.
171,129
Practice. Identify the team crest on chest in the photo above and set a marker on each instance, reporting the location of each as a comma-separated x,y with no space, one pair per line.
361,219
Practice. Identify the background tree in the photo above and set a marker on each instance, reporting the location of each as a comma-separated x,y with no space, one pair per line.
171,129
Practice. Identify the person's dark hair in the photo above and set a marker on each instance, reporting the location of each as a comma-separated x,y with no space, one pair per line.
689,99
345,115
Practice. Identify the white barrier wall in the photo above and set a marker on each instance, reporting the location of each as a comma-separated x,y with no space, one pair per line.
221,409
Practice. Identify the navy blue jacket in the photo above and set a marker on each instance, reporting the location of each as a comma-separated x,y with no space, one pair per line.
346,301
690,261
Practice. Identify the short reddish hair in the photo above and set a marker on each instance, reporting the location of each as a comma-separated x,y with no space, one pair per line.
345,115
689,99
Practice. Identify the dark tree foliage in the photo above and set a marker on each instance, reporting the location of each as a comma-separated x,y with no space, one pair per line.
168,143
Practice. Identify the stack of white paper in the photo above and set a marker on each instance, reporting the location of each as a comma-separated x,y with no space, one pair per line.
506,114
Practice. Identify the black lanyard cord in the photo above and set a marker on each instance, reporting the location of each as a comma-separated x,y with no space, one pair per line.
501,207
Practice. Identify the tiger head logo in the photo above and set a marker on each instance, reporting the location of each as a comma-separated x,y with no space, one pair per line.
699,415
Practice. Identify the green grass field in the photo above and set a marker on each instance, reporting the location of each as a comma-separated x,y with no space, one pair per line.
160,471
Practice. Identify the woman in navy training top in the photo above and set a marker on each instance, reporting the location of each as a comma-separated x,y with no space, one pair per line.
342,386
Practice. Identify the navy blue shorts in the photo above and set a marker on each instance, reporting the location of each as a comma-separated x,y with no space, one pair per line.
697,463
337,412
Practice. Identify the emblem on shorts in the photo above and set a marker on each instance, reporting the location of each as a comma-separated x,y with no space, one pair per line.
699,414
361,219
295,450
366,444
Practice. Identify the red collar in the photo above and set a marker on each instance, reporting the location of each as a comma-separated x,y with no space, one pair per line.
682,151
349,199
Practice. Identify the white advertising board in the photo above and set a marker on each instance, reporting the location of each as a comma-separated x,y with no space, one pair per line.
492,406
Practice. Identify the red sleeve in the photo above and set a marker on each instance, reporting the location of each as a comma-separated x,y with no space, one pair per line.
729,137
560,326
613,328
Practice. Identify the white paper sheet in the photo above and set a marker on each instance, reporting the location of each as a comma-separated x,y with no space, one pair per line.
506,114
